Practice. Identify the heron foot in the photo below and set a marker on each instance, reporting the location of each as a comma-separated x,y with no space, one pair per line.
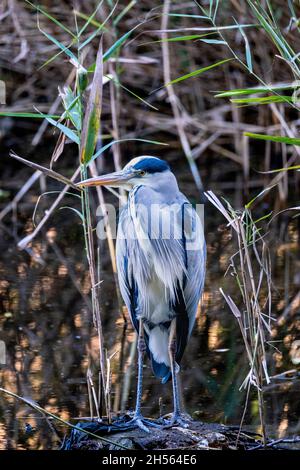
138,421
177,419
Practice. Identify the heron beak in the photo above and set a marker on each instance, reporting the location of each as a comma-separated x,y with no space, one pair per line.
114,180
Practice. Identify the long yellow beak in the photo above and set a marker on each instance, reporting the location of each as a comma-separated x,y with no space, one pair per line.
114,180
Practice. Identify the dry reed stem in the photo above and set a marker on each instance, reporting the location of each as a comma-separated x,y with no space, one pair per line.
178,116
251,321
28,239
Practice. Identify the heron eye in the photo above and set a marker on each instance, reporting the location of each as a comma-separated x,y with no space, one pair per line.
142,173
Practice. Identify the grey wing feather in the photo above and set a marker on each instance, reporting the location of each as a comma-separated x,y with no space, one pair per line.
196,259
179,264
126,280
188,297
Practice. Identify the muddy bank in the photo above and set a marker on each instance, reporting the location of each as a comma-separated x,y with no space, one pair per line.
197,436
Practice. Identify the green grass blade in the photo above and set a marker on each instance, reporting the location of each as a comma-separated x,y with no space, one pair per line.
117,44
215,12
29,115
86,17
259,89
203,10
65,49
90,19
113,48
195,73
210,28
90,38
184,15
276,36
211,2
278,170
263,217
72,105
124,11
189,37
91,122
265,190
264,100
274,138
94,34
65,130
117,82
292,10
214,41
247,48
50,60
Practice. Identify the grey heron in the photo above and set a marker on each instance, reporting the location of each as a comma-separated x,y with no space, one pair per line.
161,255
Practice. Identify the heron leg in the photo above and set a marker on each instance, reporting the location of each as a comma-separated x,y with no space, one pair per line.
141,347
177,416
138,419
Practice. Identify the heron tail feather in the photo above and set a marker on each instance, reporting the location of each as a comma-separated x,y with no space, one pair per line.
161,370
166,378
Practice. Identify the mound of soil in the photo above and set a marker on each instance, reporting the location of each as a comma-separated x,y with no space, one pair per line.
119,436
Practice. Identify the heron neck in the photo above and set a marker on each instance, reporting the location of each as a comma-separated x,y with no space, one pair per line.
164,186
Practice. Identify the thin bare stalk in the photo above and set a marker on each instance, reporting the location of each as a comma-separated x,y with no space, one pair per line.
250,316
174,101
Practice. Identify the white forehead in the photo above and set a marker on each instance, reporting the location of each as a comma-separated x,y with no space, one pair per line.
138,159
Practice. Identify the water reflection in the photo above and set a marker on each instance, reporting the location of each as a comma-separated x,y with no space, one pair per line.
46,324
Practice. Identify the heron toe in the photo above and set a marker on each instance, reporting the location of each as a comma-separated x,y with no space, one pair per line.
177,419
143,423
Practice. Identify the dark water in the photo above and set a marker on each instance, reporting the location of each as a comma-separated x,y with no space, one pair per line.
47,327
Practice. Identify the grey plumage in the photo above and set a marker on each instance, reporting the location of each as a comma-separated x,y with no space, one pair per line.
159,278
161,267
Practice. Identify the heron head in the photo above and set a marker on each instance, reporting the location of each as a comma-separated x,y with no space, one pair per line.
144,170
